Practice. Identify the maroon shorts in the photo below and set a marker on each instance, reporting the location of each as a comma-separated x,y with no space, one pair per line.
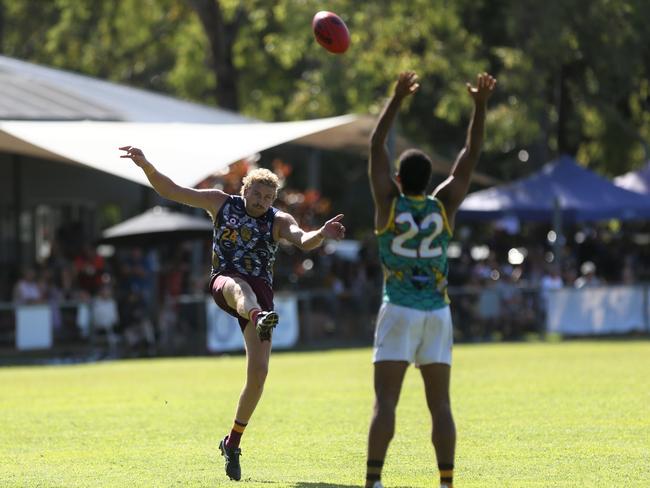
261,288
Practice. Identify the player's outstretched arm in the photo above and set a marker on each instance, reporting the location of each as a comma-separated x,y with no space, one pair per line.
454,189
383,187
289,230
210,200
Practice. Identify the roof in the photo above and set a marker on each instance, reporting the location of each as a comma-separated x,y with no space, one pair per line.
32,92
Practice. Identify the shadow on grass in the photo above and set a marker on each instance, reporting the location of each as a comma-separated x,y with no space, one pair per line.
308,484
316,484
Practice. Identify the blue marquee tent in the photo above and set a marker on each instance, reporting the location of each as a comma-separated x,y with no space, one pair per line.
560,187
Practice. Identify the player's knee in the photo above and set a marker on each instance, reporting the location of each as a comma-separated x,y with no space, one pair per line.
440,408
385,406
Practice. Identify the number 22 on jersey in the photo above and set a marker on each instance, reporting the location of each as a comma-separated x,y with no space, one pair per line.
424,249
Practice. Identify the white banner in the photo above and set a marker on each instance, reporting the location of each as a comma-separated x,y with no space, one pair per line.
33,327
597,310
224,334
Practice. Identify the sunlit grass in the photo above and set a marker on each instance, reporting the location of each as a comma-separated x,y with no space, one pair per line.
564,414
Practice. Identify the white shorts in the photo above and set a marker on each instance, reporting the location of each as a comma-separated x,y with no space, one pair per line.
416,336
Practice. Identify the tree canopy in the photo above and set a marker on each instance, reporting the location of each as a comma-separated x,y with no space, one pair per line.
573,74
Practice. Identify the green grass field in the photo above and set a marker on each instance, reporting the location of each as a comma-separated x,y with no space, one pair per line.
544,414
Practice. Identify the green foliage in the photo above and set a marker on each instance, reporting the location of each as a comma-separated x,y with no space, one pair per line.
572,74
527,415
138,42
597,50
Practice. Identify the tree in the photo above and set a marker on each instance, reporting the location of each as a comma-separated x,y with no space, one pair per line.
573,75
221,36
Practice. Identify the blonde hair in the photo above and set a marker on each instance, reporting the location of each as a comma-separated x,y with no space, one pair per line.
260,175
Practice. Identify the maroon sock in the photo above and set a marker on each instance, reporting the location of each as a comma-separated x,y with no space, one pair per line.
252,315
235,435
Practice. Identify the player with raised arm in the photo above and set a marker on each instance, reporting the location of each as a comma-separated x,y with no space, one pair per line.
247,230
414,322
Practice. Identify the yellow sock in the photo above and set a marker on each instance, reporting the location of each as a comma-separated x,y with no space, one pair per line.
446,475
373,471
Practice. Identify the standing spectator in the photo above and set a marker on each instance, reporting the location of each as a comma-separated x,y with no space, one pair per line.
89,267
53,295
628,274
105,318
138,274
552,280
488,310
139,334
587,275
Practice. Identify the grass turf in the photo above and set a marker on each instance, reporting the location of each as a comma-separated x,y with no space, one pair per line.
542,414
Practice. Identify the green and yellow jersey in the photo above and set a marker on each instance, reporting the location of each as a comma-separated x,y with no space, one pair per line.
413,253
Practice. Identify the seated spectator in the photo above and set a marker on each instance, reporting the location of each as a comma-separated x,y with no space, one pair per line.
27,290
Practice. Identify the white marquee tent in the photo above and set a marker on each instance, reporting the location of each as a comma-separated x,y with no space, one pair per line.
185,152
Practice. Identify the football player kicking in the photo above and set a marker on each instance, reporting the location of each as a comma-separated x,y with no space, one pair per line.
247,229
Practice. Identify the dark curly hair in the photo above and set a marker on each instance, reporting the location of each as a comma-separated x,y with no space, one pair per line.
414,169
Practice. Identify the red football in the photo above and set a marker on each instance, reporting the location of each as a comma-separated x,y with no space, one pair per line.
331,32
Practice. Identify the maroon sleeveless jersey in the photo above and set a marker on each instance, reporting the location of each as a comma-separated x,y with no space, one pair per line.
242,243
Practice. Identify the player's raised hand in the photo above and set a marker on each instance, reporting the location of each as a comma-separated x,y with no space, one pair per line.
407,84
333,228
485,85
135,154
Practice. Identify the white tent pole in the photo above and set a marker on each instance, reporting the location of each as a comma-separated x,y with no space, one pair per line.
313,178
557,227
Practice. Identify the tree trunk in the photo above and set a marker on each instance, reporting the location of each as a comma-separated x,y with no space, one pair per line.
563,110
567,142
221,36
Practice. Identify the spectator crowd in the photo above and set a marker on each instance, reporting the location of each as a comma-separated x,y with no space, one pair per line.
499,279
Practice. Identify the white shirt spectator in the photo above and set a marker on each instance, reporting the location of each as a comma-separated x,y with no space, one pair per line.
27,290
551,282
588,277
105,314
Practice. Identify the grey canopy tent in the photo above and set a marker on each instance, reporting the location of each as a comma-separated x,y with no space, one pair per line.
157,225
